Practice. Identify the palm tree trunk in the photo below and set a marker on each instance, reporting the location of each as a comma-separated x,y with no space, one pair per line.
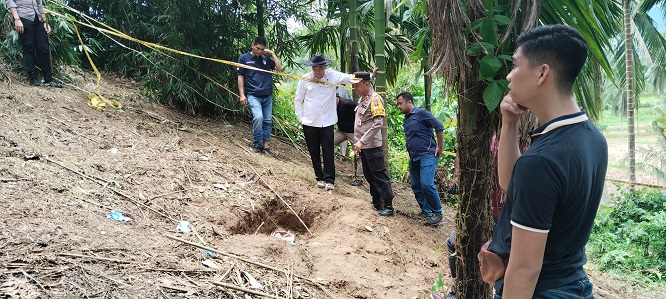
380,60
474,219
427,84
629,59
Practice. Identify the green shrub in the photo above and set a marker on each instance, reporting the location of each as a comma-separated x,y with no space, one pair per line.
629,236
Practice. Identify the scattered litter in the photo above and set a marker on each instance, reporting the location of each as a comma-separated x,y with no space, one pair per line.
253,282
209,253
210,264
113,150
184,226
230,126
118,216
244,184
220,186
204,158
369,228
286,236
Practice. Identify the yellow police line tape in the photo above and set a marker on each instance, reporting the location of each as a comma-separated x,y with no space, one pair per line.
120,34
636,184
96,100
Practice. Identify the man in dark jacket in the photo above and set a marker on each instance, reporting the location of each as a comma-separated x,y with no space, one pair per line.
346,109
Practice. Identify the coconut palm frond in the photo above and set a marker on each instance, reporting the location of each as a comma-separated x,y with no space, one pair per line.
448,21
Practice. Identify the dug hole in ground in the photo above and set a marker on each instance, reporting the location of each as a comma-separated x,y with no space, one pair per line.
64,167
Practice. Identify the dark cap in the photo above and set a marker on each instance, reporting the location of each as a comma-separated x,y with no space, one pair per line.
360,76
318,60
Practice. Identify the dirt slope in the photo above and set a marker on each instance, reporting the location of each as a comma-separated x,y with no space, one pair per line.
64,167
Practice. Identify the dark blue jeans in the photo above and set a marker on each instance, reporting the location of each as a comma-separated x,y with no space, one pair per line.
35,43
422,177
580,289
262,118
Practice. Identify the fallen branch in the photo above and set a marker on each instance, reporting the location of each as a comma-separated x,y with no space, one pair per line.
37,282
97,258
174,192
174,288
14,180
175,270
233,287
237,257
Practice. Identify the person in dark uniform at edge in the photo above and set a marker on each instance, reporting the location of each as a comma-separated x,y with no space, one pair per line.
255,88
346,109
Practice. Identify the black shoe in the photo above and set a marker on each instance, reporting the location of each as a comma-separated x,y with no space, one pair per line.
357,182
256,149
377,207
53,84
435,219
268,152
424,215
386,212
36,82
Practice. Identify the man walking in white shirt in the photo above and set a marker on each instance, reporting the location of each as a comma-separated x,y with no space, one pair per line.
316,111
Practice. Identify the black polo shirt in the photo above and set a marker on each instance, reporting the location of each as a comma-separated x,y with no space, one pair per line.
555,188
257,83
346,112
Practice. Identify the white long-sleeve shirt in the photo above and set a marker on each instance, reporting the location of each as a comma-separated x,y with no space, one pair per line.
315,103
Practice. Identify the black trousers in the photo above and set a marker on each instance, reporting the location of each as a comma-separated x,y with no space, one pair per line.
320,142
35,44
375,173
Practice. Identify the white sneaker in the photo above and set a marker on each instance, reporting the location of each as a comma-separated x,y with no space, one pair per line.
330,187
321,184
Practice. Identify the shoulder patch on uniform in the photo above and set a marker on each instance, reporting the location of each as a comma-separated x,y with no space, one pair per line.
377,106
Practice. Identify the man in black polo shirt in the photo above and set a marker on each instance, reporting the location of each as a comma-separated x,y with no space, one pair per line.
258,85
554,187
423,155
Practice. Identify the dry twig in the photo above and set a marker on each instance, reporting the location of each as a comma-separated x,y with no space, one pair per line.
233,287
37,282
97,258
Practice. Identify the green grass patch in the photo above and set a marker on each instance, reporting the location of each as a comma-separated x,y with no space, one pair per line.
629,236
